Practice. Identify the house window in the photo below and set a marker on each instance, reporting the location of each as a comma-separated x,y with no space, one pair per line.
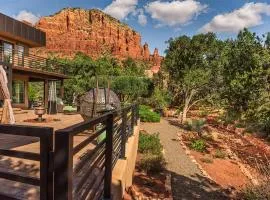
21,52
18,91
8,54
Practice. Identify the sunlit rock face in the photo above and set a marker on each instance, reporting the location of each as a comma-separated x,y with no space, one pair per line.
93,33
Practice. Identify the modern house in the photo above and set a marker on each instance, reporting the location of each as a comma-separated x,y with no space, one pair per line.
22,68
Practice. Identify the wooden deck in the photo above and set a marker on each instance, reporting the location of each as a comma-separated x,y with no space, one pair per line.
30,144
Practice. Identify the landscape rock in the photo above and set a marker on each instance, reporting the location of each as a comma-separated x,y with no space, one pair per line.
94,33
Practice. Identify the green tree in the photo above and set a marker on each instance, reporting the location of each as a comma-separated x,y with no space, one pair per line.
193,65
243,73
133,68
130,88
267,41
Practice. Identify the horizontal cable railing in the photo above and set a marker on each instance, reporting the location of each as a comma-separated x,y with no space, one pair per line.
84,170
75,162
45,180
25,60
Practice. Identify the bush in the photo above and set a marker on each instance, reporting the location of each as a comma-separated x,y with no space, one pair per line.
150,143
220,154
195,125
152,163
160,99
198,145
147,115
152,160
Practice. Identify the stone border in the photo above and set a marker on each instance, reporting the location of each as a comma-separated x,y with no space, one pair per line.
187,151
242,167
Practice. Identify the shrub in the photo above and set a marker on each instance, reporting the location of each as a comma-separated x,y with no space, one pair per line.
147,115
198,145
220,154
207,160
152,163
150,143
195,125
160,99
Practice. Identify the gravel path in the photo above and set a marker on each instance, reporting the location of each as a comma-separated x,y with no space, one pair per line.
186,179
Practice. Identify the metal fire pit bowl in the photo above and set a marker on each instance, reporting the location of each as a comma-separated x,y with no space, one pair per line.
39,111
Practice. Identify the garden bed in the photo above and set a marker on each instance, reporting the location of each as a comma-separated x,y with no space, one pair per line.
147,185
151,180
228,156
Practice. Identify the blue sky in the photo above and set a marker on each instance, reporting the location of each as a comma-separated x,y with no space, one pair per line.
159,20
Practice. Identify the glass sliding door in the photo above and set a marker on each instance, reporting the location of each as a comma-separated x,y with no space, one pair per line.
18,91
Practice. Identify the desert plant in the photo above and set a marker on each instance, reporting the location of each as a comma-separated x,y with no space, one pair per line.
206,160
195,125
220,154
152,163
147,115
150,143
198,145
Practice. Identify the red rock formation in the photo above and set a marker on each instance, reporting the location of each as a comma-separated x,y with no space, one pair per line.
94,33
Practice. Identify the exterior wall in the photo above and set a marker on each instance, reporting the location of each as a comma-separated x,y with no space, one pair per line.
123,171
12,28
25,105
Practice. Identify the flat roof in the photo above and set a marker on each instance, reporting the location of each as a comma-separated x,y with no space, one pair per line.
13,29
38,74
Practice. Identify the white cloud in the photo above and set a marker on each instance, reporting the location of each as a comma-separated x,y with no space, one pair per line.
249,15
142,19
27,16
120,9
176,12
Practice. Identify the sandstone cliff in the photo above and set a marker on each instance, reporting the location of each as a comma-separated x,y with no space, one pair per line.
94,33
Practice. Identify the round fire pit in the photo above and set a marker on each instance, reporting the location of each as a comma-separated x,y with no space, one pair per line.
39,111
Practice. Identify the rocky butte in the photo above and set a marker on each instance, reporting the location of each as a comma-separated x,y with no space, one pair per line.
93,33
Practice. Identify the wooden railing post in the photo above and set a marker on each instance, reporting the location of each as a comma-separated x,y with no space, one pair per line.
108,157
123,134
63,164
132,119
46,165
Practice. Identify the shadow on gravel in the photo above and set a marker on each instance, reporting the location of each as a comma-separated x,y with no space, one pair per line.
198,187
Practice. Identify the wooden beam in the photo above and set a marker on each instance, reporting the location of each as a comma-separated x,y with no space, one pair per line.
62,89
46,93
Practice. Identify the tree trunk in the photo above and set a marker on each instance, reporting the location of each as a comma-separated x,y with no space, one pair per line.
184,114
186,106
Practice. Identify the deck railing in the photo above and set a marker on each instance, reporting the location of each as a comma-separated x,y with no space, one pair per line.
45,180
81,165
21,59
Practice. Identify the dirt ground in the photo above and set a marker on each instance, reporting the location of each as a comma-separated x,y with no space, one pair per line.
152,186
247,151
